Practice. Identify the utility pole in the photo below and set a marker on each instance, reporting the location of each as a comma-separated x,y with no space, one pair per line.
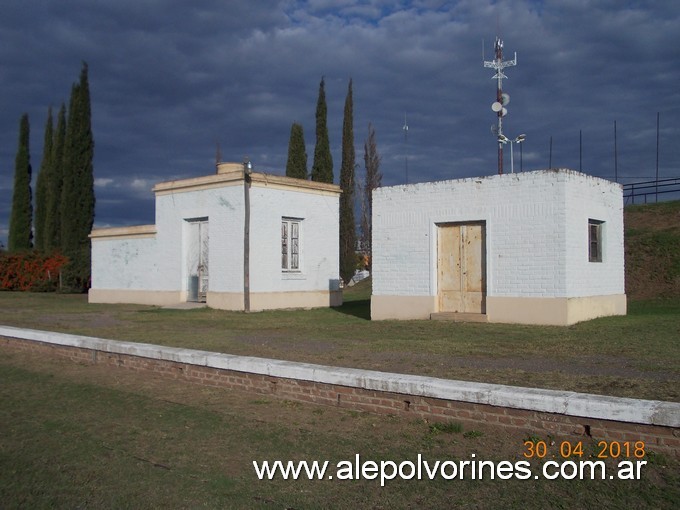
247,171
501,99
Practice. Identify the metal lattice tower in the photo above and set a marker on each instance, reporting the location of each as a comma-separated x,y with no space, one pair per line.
501,99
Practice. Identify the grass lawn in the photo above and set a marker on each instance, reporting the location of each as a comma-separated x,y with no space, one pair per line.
90,436
637,355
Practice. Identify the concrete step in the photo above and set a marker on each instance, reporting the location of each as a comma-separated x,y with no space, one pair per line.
458,317
188,305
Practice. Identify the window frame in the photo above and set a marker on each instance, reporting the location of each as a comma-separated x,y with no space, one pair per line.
595,240
291,245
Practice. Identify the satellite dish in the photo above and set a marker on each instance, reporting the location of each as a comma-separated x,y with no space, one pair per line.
504,112
505,99
496,107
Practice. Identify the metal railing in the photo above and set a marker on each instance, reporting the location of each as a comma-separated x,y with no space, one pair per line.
644,189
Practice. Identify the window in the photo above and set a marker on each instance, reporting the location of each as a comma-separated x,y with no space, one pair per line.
595,228
290,244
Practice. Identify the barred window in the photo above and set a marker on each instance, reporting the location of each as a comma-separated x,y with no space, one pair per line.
290,244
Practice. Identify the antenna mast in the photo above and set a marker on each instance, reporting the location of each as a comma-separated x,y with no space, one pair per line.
501,99
405,128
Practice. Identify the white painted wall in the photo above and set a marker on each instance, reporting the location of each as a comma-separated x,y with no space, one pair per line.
126,264
536,233
319,243
223,207
159,263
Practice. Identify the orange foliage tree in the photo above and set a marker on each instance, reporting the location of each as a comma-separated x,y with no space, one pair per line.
30,271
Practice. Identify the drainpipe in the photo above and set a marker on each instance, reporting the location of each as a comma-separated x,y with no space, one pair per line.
247,169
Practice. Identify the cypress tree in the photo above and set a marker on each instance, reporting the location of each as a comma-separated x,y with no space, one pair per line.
77,197
296,166
373,180
348,236
53,193
20,234
322,168
43,184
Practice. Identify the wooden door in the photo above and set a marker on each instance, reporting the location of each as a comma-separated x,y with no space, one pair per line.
461,268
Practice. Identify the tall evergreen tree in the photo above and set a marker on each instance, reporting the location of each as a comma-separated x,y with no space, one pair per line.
296,166
53,193
43,184
348,235
20,233
373,180
77,197
322,168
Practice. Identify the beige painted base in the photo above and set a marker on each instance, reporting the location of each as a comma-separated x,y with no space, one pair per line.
275,300
282,300
402,307
225,300
517,310
138,297
553,311
221,300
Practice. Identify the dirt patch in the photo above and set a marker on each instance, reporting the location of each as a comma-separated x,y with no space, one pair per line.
585,365
101,319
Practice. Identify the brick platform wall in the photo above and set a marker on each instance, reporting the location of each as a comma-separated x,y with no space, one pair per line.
660,438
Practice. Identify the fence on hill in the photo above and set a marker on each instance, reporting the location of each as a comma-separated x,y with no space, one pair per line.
649,191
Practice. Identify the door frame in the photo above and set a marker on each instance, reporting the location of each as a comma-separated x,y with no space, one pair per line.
484,264
194,226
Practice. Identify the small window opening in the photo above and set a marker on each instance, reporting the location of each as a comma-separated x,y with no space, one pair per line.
595,228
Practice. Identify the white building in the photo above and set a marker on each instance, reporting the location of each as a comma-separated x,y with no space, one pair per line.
542,247
236,240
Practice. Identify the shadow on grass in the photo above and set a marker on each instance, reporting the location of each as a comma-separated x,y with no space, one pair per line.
360,308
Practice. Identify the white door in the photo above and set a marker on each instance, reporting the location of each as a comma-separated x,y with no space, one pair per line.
197,260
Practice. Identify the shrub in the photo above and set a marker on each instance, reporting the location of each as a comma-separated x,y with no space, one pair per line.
30,271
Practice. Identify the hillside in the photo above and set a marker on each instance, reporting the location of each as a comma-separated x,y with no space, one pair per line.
652,239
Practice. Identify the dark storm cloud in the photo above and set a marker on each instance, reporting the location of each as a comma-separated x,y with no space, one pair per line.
172,79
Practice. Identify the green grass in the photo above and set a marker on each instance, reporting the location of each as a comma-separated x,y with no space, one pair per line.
637,355
666,208
84,436
652,242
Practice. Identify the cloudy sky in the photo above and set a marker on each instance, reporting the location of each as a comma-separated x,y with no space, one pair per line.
172,79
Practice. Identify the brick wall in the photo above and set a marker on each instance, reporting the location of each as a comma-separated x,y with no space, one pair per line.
656,437
536,233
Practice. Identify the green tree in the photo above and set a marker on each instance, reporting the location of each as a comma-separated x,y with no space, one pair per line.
20,233
373,180
77,197
322,168
53,193
43,184
348,235
296,166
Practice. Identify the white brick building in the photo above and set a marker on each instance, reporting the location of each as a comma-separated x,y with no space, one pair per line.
197,251
543,247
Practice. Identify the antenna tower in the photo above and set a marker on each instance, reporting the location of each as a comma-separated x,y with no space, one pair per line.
501,99
405,128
